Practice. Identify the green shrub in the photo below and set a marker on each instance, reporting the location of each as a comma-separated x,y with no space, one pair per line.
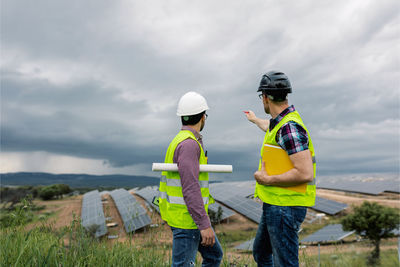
374,222
52,191
21,214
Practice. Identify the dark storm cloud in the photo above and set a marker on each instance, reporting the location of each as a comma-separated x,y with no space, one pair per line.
101,79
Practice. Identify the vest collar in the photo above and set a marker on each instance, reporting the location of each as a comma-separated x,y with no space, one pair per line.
198,136
274,122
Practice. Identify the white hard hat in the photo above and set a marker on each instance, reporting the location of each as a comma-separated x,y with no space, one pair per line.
191,103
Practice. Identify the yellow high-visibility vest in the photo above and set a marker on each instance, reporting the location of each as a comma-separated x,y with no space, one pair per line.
279,195
172,206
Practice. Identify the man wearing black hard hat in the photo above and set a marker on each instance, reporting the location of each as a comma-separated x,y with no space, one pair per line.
285,194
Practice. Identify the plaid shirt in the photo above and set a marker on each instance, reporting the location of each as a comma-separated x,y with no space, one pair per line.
291,136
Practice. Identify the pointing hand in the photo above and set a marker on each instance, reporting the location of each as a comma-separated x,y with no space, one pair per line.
250,115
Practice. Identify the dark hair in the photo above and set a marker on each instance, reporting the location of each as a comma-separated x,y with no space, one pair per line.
192,119
277,97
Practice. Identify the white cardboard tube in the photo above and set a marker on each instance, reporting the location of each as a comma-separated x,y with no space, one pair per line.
172,167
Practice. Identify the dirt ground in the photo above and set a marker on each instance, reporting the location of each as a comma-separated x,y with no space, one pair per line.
112,216
65,210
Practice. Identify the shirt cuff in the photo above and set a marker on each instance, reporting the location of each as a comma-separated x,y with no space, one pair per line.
204,223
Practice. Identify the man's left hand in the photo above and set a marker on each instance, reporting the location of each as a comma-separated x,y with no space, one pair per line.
207,237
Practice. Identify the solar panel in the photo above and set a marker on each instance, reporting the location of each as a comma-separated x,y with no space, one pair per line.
328,206
243,189
148,193
396,232
329,233
248,245
226,212
92,214
234,196
392,186
132,213
312,216
373,184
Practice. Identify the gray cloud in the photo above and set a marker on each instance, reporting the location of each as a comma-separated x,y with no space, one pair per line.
101,79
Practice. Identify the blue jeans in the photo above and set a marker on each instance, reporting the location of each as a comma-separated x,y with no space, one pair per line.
276,242
186,243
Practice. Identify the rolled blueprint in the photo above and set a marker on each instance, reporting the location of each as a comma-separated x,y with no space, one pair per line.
172,167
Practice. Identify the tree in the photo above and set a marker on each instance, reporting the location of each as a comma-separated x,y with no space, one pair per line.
62,189
374,222
47,192
215,217
55,190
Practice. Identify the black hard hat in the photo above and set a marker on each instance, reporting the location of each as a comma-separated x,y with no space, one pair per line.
275,82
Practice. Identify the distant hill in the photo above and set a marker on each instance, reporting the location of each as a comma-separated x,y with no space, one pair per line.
77,180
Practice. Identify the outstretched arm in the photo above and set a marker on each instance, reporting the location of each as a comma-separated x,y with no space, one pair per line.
261,123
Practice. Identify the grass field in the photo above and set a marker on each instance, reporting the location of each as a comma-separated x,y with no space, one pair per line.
41,237
73,246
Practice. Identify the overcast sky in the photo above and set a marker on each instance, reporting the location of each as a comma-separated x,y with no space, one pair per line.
92,86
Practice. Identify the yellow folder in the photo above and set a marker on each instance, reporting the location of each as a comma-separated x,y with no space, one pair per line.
277,161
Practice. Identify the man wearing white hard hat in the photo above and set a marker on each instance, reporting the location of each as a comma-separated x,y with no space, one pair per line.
184,195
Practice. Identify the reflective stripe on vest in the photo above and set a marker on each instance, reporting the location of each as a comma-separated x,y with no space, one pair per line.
177,182
178,200
280,196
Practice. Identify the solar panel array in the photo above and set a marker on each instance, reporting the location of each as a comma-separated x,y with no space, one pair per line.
311,217
92,215
328,206
396,232
148,193
329,233
243,188
132,213
226,212
248,245
235,197
234,192
247,207
373,184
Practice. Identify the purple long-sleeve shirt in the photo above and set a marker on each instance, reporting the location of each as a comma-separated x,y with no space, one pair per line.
187,155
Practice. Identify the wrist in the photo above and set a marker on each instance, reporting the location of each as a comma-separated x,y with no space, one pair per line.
269,179
273,179
204,225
